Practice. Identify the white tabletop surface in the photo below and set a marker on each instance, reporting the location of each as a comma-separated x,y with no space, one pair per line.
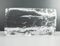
45,40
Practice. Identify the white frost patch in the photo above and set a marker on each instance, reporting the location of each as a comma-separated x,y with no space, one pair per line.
30,30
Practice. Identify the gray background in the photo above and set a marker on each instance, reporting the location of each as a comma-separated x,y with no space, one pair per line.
29,4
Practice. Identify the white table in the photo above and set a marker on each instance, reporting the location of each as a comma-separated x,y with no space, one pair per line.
46,40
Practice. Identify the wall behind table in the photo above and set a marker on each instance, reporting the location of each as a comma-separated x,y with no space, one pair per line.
30,4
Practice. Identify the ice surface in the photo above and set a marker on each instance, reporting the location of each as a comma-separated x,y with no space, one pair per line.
30,21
